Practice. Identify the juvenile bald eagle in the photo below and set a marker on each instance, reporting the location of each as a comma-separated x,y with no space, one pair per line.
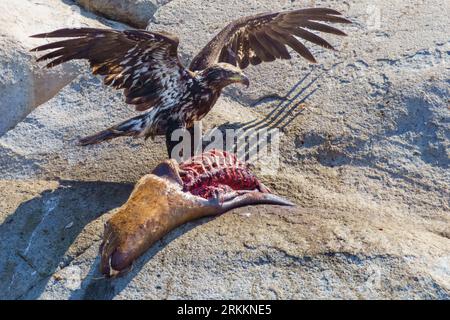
146,64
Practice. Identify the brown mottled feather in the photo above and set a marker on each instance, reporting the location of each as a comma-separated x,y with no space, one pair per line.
133,60
264,37
312,25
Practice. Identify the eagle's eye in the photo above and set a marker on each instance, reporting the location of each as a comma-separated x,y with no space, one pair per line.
222,76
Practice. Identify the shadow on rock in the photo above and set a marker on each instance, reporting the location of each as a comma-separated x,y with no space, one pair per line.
35,238
416,132
288,108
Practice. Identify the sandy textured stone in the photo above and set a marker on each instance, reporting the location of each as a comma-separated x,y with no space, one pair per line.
136,13
365,157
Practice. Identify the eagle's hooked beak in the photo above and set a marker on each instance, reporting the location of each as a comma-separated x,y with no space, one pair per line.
164,200
241,78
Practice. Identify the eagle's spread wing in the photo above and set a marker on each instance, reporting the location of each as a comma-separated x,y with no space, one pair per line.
263,38
141,62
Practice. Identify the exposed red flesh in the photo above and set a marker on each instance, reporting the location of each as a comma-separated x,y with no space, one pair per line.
216,173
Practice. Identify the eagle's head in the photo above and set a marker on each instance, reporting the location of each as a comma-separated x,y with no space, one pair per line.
221,75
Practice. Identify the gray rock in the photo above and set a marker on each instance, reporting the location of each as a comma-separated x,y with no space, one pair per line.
24,85
366,159
136,13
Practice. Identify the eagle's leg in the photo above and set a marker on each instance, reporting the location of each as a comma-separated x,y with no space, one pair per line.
171,143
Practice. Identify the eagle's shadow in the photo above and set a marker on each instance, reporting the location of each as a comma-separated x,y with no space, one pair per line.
285,108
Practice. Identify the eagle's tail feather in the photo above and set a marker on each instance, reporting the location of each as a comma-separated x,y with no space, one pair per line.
132,127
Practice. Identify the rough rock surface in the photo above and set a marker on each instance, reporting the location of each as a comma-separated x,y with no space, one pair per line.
136,13
364,154
23,84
